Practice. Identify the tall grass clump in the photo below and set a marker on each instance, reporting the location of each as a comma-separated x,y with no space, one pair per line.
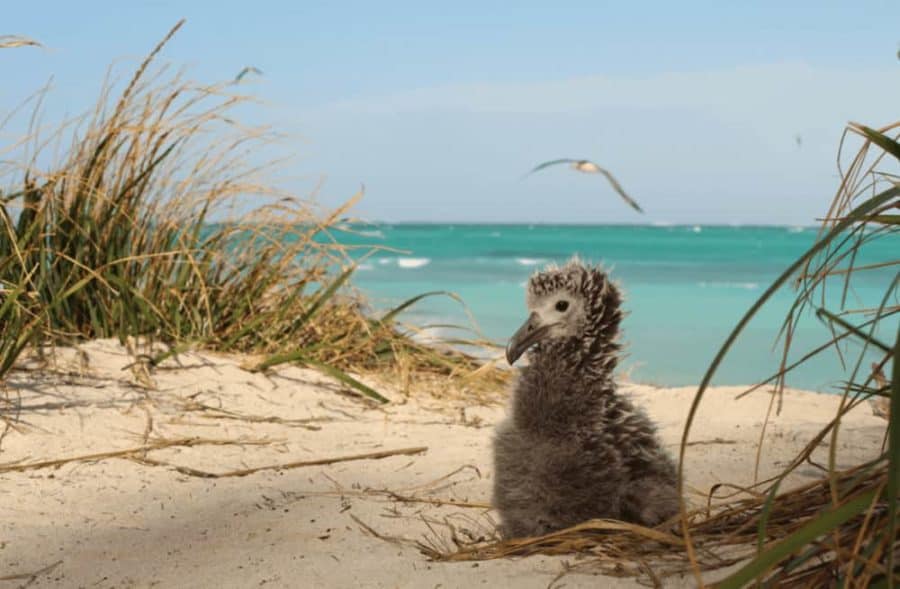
156,223
843,530
18,324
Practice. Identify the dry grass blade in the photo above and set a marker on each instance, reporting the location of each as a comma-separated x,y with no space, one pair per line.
400,498
283,466
210,412
724,537
32,576
128,452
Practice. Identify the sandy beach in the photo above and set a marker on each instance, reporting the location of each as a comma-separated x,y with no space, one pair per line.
143,509
260,266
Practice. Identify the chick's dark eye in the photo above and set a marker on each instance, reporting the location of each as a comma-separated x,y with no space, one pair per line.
561,306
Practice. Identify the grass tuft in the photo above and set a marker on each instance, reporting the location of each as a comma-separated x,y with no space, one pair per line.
156,223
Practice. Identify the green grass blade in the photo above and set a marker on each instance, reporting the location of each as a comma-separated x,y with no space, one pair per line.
276,359
881,140
826,522
336,373
893,482
326,295
173,351
348,380
389,316
824,313
764,517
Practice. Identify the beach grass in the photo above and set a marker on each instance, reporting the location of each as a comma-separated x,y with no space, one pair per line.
847,531
157,223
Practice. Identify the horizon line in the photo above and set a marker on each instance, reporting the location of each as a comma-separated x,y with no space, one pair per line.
656,224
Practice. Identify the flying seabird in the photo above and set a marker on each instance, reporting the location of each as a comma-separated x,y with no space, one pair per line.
589,167
572,448
8,41
247,70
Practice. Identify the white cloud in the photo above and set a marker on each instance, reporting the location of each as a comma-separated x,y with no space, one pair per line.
783,86
716,146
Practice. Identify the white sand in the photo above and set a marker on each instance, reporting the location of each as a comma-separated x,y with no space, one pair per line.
117,523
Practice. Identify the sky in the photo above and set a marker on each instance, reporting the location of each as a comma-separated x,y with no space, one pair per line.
440,108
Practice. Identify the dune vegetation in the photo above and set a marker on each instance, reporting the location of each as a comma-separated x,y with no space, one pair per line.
156,227
842,529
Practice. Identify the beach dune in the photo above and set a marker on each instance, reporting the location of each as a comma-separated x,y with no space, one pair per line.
173,478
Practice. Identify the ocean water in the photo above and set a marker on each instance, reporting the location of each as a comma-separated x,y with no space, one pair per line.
686,288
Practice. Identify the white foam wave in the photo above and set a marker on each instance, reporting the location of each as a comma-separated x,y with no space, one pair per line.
696,228
529,261
365,267
743,285
373,233
413,262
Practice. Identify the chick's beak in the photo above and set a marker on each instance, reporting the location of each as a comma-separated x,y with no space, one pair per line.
527,335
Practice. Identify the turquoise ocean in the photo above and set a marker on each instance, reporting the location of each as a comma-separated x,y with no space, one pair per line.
686,288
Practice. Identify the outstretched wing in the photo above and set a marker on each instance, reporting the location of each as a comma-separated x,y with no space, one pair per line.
247,70
8,41
593,169
540,167
618,188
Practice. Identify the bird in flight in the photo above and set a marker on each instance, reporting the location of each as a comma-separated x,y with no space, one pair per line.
247,70
7,41
589,167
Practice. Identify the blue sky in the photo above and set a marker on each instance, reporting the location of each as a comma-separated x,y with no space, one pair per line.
439,108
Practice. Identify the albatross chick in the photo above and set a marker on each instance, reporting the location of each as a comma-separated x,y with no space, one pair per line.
572,448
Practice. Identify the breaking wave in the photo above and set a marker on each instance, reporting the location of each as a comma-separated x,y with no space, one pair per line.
413,262
743,285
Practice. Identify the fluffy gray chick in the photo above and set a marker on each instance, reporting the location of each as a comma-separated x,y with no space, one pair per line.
571,448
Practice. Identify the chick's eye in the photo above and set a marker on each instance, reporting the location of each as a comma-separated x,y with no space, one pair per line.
561,306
